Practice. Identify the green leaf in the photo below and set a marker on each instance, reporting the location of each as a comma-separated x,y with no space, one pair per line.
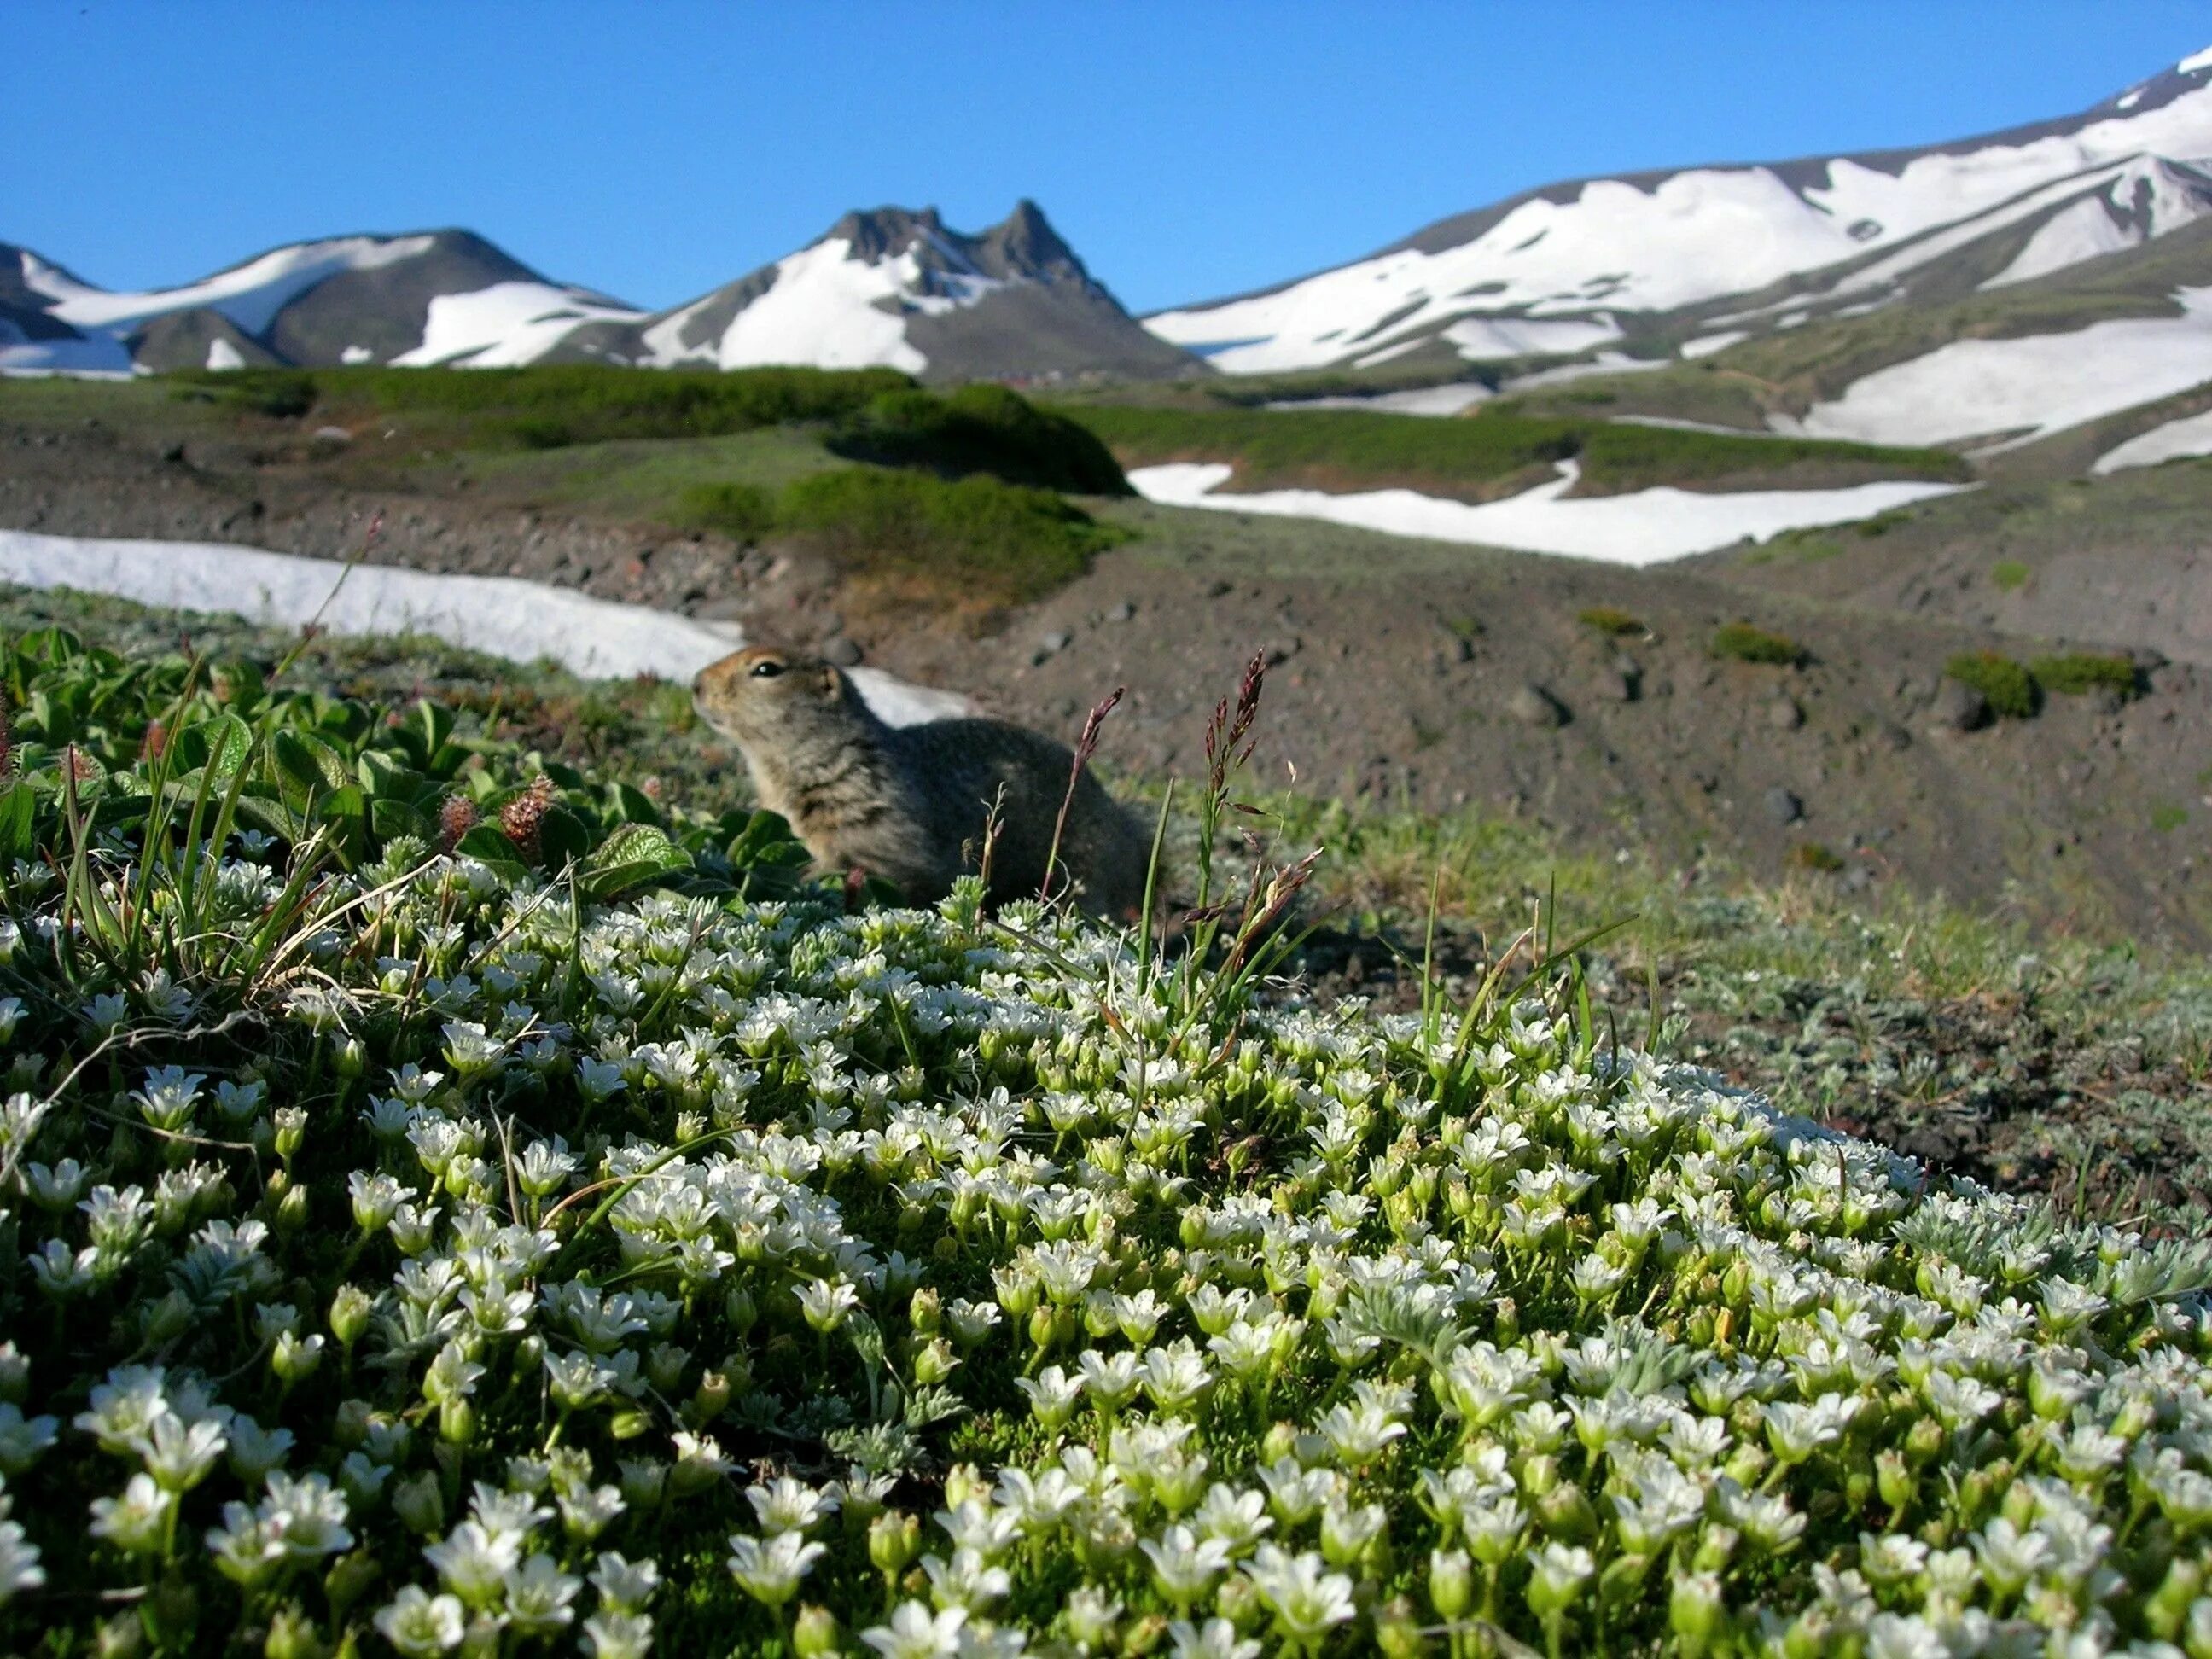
562,836
634,853
488,844
631,805
389,819
17,818
230,745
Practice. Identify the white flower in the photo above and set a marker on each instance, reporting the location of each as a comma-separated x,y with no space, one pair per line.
419,1624
1217,1638
177,1455
784,1504
137,1522
23,1440
538,1596
624,1584
914,1632
1184,1566
1305,1599
473,1562
769,1571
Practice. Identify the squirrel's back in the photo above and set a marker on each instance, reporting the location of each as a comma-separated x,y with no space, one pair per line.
912,803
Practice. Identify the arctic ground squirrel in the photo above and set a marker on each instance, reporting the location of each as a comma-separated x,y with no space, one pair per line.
911,804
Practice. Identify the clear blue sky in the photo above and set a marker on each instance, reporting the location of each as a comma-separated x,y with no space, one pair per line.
1186,150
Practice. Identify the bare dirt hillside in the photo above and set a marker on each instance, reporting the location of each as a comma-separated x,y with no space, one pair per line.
1442,676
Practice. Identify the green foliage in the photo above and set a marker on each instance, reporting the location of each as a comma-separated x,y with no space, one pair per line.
2008,687
157,743
550,405
1347,449
2076,673
1610,619
2168,817
1817,857
980,428
977,536
743,511
2008,576
1741,641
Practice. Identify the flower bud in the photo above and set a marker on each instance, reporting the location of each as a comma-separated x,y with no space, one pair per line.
292,1210
1565,1513
168,1318
1715,1546
644,1482
1695,1612
121,1637
1539,1475
926,1312
1451,1583
14,1375
347,1058
457,1421
814,1633
351,1577
1924,1440
629,1424
710,1398
419,1504
296,1357
894,1540
1893,1479
2167,1611
664,1365
291,1130
350,1423
934,1363
292,1635
740,1309
1397,1632
1280,1442
350,1310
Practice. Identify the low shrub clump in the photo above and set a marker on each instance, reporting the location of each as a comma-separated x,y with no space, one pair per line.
1610,619
743,511
445,1253
2008,687
1739,642
2078,673
548,405
976,536
982,428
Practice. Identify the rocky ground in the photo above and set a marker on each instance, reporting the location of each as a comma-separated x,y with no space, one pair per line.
1430,675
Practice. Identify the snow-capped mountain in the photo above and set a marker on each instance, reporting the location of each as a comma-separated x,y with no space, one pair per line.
898,288
891,287
1692,260
438,296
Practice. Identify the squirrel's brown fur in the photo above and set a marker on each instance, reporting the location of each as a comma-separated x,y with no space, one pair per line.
910,804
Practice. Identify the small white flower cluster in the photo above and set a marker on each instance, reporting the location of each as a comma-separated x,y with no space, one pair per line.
544,1244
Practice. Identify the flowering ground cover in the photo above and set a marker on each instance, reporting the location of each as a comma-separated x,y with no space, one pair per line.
454,1202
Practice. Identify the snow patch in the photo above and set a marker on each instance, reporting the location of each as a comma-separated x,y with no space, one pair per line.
2194,62
352,354
2189,435
223,355
829,309
505,325
1647,528
249,294
1481,338
2024,389
500,616
1705,344
1434,400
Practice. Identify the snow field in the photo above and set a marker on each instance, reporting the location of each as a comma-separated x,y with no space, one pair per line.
500,616
1649,527
2189,435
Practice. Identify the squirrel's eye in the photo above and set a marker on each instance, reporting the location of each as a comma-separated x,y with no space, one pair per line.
767,671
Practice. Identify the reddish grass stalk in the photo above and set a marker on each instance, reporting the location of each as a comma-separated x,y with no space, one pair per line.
1085,747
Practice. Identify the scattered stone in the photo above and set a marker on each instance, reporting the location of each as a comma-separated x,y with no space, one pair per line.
1216,589
1533,705
1053,643
1781,806
1959,707
1784,713
1122,612
332,435
174,454
1284,650
840,649
1613,686
1462,649
1895,737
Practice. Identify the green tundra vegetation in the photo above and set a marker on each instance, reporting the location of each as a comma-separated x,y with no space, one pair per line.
453,1196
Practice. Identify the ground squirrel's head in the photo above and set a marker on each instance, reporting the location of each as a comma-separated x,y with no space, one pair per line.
761,695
